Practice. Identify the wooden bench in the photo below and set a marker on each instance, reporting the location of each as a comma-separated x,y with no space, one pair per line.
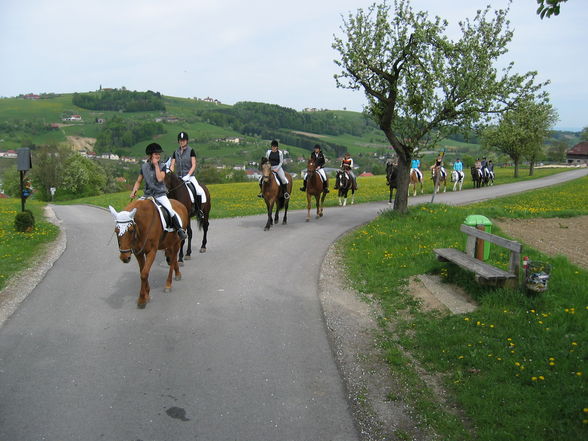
485,273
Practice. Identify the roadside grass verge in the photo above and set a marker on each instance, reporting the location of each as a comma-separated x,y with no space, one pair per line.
17,249
239,199
517,365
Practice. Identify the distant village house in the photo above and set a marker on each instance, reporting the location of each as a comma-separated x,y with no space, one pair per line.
578,155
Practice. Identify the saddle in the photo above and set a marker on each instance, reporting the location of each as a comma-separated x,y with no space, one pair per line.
164,215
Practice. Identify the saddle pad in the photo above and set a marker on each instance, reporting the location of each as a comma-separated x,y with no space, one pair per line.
162,216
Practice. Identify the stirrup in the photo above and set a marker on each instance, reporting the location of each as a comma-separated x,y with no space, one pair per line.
302,188
286,195
260,195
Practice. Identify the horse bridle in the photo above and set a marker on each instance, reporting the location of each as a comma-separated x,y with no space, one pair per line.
130,222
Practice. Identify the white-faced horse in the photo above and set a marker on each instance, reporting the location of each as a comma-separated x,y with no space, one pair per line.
457,178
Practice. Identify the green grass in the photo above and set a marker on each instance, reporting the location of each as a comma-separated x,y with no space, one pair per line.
517,365
18,249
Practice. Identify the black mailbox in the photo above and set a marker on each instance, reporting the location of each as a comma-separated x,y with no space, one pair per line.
23,161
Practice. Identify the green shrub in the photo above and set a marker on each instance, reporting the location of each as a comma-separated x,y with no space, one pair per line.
24,221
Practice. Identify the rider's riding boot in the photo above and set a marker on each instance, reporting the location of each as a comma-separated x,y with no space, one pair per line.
303,188
199,211
178,226
285,191
326,186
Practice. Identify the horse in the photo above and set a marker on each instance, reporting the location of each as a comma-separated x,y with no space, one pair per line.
477,177
392,178
272,194
178,190
438,179
139,232
344,183
457,178
488,178
415,178
314,187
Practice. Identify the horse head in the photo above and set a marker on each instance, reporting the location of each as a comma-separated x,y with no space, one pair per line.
266,169
126,232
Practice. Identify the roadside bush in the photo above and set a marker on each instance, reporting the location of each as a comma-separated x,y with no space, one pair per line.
24,221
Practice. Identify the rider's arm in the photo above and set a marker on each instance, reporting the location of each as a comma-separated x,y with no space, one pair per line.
136,186
193,167
172,165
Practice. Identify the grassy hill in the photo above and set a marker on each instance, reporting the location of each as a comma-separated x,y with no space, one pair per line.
25,122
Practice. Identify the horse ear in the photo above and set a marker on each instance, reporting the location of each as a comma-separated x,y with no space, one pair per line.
132,213
113,211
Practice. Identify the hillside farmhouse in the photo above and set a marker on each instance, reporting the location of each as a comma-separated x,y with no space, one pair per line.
578,155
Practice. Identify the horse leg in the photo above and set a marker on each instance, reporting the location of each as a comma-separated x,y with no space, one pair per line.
352,196
172,251
204,226
320,200
145,288
270,208
189,250
277,215
308,204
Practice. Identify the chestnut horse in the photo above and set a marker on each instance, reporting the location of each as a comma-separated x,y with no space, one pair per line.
177,189
344,183
438,179
415,178
139,232
392,178
314,187
272,194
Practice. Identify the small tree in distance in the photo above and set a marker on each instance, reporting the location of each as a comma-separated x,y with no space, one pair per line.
420,85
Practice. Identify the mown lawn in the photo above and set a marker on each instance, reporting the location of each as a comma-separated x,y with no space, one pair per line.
17,249
517,365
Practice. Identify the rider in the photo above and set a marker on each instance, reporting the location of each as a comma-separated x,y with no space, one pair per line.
484,165
319,159
185,160
414,165
458,167
276,159
153,173
347,166
439,163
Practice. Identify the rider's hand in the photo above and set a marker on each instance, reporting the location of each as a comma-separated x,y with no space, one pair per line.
186,178
133,194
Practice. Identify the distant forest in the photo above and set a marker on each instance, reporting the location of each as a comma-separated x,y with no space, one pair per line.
119,100
118,132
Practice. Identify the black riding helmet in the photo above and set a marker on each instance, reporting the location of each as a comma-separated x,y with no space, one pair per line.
182,136
316,146
153,148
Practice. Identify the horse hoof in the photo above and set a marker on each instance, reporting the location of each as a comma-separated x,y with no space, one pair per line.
266,229
203,250
178,277
187,257
180,263
307,220
141,304
284,223
166,289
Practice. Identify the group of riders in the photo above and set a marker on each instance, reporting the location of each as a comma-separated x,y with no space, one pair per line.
152,173
482,166
183,162
276,159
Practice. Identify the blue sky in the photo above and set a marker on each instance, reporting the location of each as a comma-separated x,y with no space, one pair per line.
256,50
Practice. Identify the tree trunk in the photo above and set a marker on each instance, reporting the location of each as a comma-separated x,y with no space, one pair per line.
516,170
401,199
531,168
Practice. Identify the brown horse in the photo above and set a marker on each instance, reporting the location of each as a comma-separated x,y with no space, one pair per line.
177,189
314,187
477,177
439,179
273,195
139,232
415,178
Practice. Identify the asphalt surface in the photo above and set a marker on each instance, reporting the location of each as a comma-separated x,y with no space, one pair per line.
237,351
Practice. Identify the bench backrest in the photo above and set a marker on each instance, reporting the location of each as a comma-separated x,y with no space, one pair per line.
501,241
514,247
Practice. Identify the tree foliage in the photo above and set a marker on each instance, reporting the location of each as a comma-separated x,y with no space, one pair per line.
584,134
421,85
120,132
547,8
82,177
521,132
120,100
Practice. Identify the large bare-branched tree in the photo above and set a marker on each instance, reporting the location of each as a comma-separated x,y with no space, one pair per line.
419,83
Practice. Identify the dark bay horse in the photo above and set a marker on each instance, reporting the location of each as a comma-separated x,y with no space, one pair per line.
392,178
139,232
415,178
344,183
273,195
314,187
177,189
477,177
439,179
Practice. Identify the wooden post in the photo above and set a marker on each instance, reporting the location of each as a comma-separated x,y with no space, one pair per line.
480,244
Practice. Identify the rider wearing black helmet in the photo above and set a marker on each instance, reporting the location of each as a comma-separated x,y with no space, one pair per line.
153,173
184,160
319,159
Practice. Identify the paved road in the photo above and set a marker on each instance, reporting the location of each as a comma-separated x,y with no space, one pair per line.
237,351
